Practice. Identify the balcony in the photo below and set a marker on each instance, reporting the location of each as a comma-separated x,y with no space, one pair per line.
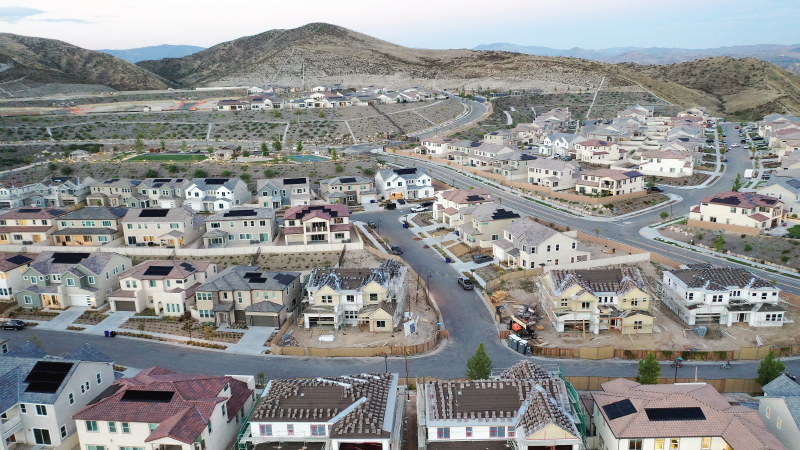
10,426
321,228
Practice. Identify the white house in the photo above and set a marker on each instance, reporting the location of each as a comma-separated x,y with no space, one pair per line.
529,244
786,190
173,227
414,182
216,194
595,151
277,193
556,174
13,197
12,265
662,163
779,409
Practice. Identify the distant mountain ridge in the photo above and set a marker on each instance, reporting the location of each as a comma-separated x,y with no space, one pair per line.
134,55
785,56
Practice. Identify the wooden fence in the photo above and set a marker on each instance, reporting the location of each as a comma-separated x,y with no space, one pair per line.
743,353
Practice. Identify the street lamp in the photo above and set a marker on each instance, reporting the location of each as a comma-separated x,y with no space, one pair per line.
678,364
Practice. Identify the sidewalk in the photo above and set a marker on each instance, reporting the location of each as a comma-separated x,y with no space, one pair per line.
64,319
113,322
363,227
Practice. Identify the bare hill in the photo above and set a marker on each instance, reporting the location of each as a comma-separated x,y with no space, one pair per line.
52,61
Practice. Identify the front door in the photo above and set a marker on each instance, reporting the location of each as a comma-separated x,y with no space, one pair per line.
37,238
131,240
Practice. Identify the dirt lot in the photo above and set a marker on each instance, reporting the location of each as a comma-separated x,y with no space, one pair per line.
174,327
765,248
694,180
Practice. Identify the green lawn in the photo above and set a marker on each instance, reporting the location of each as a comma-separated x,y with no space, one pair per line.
159,157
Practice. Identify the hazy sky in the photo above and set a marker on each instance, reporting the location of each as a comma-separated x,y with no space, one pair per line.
562,24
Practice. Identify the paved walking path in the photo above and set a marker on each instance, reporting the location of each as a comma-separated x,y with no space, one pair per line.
509,119
369,235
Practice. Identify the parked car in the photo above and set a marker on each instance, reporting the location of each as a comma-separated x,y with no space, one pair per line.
744,141
766,176
737,127
655,189
397,250
480,259
426,204
709,141
758,138
13,324
401,201
419,209
466,283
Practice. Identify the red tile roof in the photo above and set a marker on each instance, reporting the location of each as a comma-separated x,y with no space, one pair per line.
741,199
341,227
759,217
298,212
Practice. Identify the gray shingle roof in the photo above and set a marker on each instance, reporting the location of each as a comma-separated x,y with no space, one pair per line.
204,185
265,306
720,279
261,213
533,233
26,350
233,279
95,213
783,386
89,353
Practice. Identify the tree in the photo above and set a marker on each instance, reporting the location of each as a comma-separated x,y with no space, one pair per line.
719,243
52,167
276,145
199,173
27,160
479,366
138,144
769,369
66,171
649,370
245,177
141,327
260,378
183,146
210,149
173,168
597,232
299,146
264,149
651,184
737,183
225,173
664,215
163,145
36,341
151,173
269,173
334,155
277,113
321,114
246,154
189,327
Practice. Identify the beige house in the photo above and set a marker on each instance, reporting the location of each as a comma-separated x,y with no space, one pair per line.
244,294
501,137
89,226
530,245
174,227
355,190
164,192
598,152
166,286
371,299
778,409
609,182
29,225
116,192
786,190
591,301
482,224
737,211
556,174
324,224
450,202
12,266
241,225
277,193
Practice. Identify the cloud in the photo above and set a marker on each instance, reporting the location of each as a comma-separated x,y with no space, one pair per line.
13,14
65,20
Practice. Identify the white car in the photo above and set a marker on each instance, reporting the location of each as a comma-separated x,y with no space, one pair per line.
419,209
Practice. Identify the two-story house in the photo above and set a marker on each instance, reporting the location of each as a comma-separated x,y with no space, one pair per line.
13,196
42,392
62,192
708,294
598,152
241,225
587,301
361,411
745,211
277,193
351,190
779,409
414,182
173,227
324,224
524,408
12,265
166,286
785,189
484,223
116,192
29,225
501,137
247,295
89,226
685,416
609,182
163,192
368,298
664,163
556,174
216,194
59,280
529,244
161,409
560,144
514,166
448,203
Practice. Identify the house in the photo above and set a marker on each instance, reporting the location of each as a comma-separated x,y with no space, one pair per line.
791,161
216,194
413,182
30,225
12,265
696,111
514,166
448,203
355,190
161,409
529,244
225,153
14,197
609,182
688,416
243,294
663,163
779,409
89,226
638,111
598,152
556,174
436,145
737,211
62,192
561,143
173,227
60,280
240,225
372,299
502,137
484,223
787,190
80,155
233,105
613,132
524,408
705,294
162,192
116,192
323,224
588,301
166,286
362,411
42,392
277,193
484,155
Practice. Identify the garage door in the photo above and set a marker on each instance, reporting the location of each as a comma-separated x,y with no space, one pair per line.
125,305
264,321
80,300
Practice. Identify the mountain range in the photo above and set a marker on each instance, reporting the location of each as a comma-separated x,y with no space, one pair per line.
134,55
785,56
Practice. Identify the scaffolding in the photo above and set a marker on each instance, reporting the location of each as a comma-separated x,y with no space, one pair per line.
575,405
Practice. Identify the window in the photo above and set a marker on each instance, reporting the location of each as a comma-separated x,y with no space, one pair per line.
380,324
586,305
224,412
469,431
265,430
659,444
239,295
42,437
71,398
91,280
112,427
318,430
28,299
63,431
290,430
95,447
99,379
41,410
24,409
674,443
87,386
174,226
70,282
705,443
91,425
512,432
373,297
443,433
634,444
152,426
497,432
209,427
126,428
780,423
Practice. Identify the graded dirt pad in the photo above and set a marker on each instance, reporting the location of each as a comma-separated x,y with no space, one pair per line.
354,259
694,180
176,328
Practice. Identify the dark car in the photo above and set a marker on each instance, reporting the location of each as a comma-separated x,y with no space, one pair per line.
758,138
401,201
744,141
466,283
397,250
426,204
655,189
479,259
709,141
13,325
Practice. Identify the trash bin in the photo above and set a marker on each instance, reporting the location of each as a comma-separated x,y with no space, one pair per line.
113,334
448,260
107,333
405,225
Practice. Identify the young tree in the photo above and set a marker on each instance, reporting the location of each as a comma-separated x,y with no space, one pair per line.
276,145
264,149
260,378
769,369
210,149
651,184
199,173
664,215
66,171
189,327
719,243
299,146
649,370
737,183
138,144
339,168
141,327
52,167
321,114
35,340
151,173
183,146
163,145
173,168
246,154
597,232
334,155
479,366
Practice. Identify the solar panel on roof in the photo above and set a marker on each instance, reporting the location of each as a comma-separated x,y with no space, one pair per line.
188,267
504,214
46,376
113,180
795,183
726,200
474,198
252,275
29,210
619,409
672,414
240,213
257,280
288,181
19,259
216,180
147,396
153,213
161,180
284,278
405,171
347,180
158,271
69,258
632,174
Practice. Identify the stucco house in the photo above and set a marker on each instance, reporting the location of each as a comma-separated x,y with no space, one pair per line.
556,174
89,226
598,152
448,203
349,190
414,183
277,193
173,227
323,224
29,225
216,194
529,244
609,182
779,409
787,190
12,266
484,223
737,211
243,225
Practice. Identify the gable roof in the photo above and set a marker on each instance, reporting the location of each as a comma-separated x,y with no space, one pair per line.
178,268
246,278
534,233
95,213
619,280
88,353
783,386
741,199
720,278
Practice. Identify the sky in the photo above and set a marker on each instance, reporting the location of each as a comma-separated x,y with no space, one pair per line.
438,24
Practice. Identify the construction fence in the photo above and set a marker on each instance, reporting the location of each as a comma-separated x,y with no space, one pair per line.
608,352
